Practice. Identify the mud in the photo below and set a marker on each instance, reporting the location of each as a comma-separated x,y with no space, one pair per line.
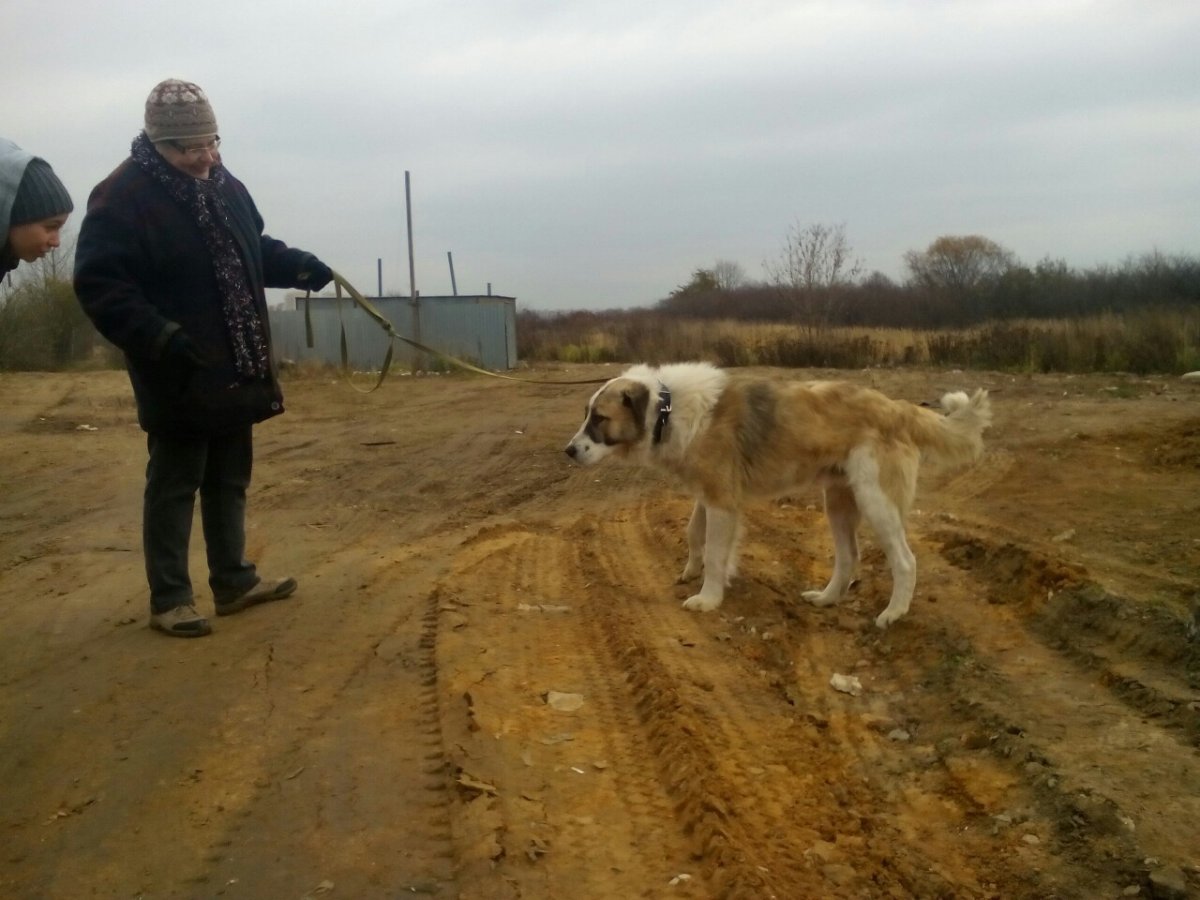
1030,730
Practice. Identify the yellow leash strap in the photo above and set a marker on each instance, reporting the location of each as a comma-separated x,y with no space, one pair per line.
369,308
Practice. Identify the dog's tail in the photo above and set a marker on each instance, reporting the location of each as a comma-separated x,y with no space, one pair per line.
957,436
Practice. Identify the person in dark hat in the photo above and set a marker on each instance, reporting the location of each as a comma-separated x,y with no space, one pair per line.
171,265
34,206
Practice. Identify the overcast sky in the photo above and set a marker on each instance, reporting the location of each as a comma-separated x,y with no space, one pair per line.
594,154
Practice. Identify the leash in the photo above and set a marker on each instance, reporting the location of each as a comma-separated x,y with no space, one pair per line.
369,308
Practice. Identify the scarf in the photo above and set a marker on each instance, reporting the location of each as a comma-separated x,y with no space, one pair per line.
201,198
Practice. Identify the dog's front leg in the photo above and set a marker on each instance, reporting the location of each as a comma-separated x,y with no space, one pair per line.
695,539
722,526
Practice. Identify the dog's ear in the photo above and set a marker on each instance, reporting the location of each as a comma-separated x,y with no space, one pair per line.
637,398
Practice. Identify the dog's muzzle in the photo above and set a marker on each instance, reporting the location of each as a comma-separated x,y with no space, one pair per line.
584,450
578,451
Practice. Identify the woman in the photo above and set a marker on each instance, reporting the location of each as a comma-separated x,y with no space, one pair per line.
171,266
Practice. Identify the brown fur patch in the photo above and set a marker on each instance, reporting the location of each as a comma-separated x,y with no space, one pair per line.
618,413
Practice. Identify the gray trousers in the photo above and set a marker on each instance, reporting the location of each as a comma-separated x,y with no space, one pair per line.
219,468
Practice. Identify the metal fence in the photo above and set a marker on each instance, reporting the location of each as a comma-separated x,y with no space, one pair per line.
479,329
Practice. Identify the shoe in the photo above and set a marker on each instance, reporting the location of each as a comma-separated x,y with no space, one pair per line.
265,590
181,621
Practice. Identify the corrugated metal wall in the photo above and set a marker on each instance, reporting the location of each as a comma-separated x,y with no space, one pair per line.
479,329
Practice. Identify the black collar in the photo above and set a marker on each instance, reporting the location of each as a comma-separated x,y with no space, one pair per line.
664,412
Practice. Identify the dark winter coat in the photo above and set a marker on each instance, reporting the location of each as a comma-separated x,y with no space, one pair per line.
142,272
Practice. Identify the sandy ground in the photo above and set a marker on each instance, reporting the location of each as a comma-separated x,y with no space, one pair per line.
486,686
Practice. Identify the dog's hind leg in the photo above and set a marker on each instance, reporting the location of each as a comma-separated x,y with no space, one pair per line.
695,538
842,512
722,527
904,569
731,559
882,508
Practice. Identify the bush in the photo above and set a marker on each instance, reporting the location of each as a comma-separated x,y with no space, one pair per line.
43,328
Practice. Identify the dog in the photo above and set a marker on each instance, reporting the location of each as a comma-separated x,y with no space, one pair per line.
729,441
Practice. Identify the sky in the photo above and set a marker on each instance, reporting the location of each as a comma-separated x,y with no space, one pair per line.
593,155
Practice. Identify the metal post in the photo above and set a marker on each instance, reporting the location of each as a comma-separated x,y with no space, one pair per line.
453,283
412,276
414,298
379,274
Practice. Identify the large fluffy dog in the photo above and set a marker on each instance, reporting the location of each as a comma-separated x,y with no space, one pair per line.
730,440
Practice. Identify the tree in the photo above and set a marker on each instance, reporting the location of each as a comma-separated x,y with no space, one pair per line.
959,265
704,281
814,263
729,275
960,276
814,256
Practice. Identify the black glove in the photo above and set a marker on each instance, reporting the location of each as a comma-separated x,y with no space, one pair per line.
182,352
314,274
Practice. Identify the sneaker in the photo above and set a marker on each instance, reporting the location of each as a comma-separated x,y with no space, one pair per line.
265,590
181,621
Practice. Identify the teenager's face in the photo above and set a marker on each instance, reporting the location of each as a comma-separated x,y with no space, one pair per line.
195,157
34,240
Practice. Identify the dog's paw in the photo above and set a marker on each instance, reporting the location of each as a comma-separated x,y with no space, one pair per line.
820,598
701,603
689,572
887,617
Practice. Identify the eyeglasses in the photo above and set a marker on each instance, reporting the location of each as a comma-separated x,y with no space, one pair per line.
196,152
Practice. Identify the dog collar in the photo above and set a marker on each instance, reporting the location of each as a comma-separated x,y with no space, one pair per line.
664,412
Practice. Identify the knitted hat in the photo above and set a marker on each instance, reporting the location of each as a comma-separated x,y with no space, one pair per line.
178,110
40,195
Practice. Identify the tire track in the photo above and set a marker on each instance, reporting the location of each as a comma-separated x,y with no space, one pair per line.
1142,651
361,783
292,751
569,800
733,785
1147,734
837,797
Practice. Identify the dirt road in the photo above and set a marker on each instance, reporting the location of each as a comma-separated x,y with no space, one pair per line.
486,687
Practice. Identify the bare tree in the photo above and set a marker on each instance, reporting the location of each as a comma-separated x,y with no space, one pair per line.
815,262
728,275
814,256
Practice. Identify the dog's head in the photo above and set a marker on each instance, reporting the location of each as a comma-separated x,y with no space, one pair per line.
615,422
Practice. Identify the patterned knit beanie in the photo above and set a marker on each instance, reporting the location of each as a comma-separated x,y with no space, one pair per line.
40,195
177,110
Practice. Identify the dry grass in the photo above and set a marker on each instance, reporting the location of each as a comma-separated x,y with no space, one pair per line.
1145,341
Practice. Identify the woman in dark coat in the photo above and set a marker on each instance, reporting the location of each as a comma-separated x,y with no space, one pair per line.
172,265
